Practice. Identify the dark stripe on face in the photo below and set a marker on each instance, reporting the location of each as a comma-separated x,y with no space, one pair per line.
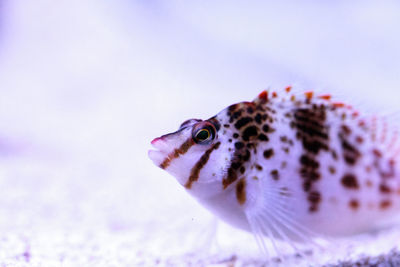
241,155
195,172
230,177
176,153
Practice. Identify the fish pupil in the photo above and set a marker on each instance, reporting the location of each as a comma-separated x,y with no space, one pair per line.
203,135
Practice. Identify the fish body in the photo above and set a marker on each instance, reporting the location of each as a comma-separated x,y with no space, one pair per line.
288,166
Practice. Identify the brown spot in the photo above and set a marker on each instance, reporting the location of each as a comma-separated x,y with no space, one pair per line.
385,189
246,156
242,169
233,107
275,175
266,128
249,132
368,169
258,167
369,183
332,169
385,204
350,181
313,132
334,155
268,153
314,198
314,146
354,204
309,169
350,152
241,191
195,172
236,165
236,115
355,114
242,122
377,153
359,139
258,118
263,137
307,185
346,129
176,153
239,145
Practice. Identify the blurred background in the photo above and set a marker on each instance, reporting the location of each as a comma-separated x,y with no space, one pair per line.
86,85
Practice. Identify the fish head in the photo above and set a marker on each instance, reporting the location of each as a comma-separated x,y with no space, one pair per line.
197,154
214,154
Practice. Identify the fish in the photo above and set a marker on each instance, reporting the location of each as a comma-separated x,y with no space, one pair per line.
289,166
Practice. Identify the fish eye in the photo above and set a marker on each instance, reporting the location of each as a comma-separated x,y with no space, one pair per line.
203,133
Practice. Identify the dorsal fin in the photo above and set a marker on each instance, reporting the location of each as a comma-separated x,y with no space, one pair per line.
262,97
265,95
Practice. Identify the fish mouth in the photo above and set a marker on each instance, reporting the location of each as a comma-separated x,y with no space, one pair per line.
159,153
160,144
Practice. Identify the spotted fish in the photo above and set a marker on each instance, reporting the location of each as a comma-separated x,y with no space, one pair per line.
288,166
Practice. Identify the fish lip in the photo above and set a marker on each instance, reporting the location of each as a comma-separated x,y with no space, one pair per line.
161,144
155,140
159,151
